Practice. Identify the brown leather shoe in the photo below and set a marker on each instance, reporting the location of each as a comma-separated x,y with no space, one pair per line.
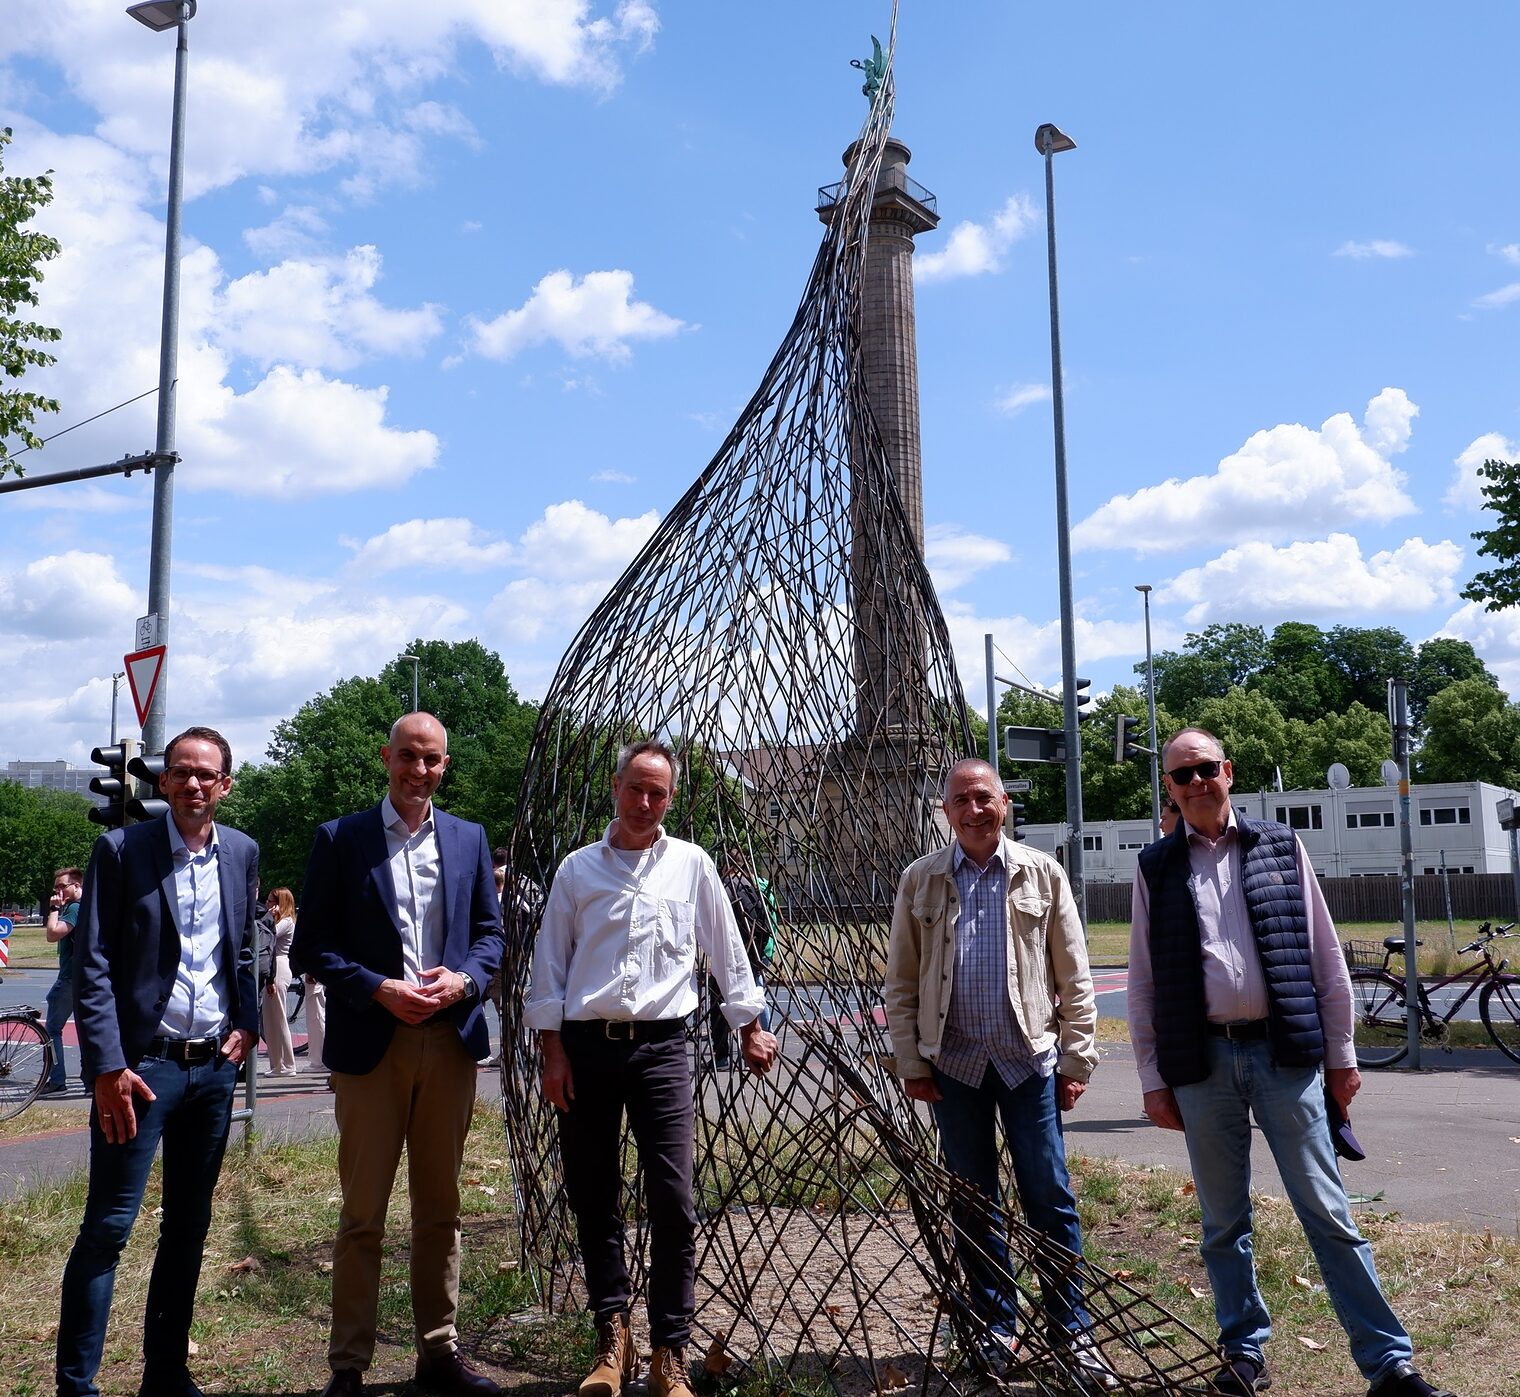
345,1382
449,1373
668,1376
617,1361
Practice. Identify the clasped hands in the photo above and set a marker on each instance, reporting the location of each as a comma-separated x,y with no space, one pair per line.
413,1004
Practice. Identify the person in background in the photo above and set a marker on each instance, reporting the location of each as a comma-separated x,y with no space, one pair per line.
63,915
282,1058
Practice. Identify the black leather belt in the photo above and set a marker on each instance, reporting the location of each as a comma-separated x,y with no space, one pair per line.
624,1030
190,1051
1240,1032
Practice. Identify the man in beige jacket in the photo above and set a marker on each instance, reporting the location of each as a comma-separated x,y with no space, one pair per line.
990,1005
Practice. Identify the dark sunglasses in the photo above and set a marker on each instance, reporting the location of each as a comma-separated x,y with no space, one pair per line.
1205,771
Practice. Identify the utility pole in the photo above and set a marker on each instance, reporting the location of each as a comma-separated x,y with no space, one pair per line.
1401,737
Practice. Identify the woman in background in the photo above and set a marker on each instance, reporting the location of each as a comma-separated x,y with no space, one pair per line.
282,1058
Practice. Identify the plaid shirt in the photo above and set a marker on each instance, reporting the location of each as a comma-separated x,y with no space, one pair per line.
980,1027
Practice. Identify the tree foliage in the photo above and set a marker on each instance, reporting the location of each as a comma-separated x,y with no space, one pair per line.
324,761
22,253
1499,586
1471,733
40,831
1439,663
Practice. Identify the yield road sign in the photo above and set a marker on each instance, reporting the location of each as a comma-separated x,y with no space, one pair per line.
143,668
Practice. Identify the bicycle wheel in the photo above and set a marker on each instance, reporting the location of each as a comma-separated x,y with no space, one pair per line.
1377,1002
26,1058
1499,1008
295,993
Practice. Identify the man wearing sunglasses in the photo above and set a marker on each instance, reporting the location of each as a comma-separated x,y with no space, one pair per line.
1238,998
166,1008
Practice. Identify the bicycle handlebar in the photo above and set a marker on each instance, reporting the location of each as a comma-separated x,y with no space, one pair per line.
1487,932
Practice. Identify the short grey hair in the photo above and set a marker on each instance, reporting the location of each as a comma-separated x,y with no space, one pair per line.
1194,732
966,764
653,747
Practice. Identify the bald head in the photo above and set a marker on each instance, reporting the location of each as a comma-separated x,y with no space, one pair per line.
415,757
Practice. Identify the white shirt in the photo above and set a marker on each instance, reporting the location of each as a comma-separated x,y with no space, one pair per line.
197,1006
620,934
415,871
1234,987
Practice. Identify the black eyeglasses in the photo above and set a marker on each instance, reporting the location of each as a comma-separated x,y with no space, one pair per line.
183,775
1205,771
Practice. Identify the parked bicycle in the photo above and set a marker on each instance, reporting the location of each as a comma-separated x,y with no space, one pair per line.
26,1059
1378,997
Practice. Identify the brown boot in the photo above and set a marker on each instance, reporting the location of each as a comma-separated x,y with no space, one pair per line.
617,1361
667,1374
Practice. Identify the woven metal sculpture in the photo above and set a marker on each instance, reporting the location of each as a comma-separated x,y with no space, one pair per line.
781,630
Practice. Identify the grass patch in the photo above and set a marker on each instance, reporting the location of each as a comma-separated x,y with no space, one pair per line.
31,950
1457,1293
263,1306
43,1120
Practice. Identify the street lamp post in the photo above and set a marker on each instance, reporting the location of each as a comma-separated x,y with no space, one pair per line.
1049,141
160,15
115,688
1144,588
416,667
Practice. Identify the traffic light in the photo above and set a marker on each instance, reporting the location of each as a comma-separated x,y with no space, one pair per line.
1125,746
1083,697
146,802
1016,819
114,785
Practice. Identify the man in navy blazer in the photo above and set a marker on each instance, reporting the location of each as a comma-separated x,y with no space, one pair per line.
166,1007
400,921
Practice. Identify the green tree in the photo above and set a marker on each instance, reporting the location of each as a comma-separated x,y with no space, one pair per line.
1367,658
1046,799
40,831
1211,662
324,760
1119,790
1499,586
1252,731
1439,663
1358,738
1472,733
1299,675
22,253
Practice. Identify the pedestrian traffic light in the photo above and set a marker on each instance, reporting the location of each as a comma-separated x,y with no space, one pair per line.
115,784
147,802
1125,747
1016,819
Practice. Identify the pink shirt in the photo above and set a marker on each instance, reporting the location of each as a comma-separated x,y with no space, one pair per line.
1234,988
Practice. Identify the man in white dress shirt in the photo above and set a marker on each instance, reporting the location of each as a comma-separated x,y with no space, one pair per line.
614,980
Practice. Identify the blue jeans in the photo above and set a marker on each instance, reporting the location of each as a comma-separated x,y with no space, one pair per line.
60,1004
191,1115
1032,1128
1289,1106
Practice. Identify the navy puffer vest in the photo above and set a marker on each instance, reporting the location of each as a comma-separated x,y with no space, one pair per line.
1275,904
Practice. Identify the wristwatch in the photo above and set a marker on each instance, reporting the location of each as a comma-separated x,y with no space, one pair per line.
469,985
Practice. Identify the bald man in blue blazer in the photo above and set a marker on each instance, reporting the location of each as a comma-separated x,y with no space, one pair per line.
400,921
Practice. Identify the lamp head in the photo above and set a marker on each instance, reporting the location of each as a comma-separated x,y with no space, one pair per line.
1051,140
160,14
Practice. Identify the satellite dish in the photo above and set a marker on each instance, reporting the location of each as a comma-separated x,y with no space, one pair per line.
1338,776
1390,770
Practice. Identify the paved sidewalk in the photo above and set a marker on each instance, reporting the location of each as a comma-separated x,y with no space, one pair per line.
1443,1143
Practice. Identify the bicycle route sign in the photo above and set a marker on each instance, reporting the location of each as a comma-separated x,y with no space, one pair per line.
6,927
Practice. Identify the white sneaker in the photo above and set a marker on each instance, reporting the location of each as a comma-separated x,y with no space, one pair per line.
1091,1366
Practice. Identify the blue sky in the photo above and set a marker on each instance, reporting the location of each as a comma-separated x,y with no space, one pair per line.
472,292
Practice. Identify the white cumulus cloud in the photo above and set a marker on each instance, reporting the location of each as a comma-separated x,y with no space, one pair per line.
593,315
975,248
954,556
1377,247
1495,635
318,314
1494,300
1465,490
1285,481
431,545
1318,577
1022,395
73,595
